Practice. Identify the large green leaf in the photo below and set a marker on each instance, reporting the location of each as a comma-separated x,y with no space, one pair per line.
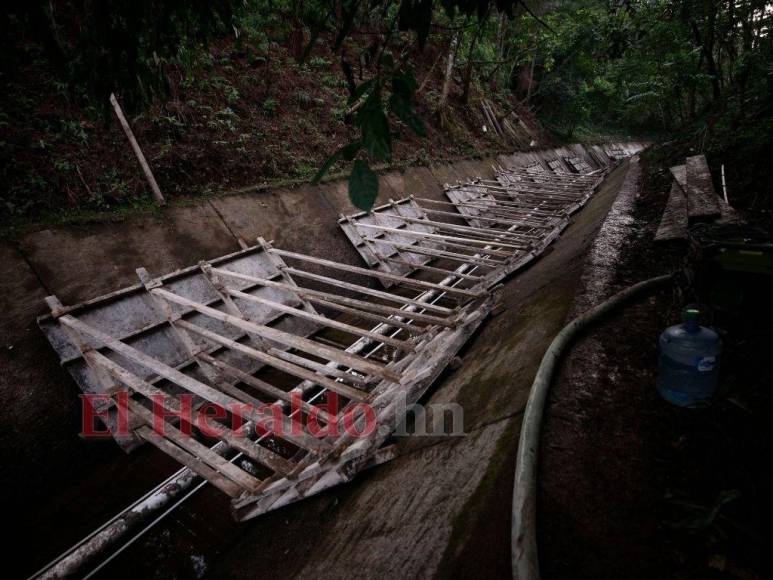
347,152
404,110
363,185
401,101
375,128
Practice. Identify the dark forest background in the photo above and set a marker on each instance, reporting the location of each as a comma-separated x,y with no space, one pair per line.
227,94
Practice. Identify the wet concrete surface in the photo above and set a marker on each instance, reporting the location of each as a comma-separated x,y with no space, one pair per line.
60,487
81,262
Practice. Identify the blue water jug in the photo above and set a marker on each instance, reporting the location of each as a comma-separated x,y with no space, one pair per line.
689,362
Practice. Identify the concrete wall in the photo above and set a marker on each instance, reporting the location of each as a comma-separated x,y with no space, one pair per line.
48,470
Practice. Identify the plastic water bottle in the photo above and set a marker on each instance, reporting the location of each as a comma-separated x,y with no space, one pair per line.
689,362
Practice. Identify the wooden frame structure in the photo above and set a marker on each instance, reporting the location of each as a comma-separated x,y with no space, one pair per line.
505,224
273,338
258,336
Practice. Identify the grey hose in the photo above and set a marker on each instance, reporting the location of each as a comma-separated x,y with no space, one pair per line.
524,518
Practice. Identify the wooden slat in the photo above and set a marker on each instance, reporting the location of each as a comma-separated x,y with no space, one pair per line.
323,320
260,454
321,368
471,245
440,271
289,368
189,383
193,463
376,274
702,200
267,388
485,203
484,233
367,291
319,296
474,259
373,316
503,221
282,337
199,450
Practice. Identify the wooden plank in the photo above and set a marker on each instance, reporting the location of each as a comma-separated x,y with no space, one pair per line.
511,207
189,383
374,274
542,189
367,291
279,264
325,369
193,463
484,233
680,174
470,244
502,221
260,454
702,200
321,297
282,337
475,259
198,450
289,368
159,197
441,271
446,246
268,389
323,320
414,330
673,224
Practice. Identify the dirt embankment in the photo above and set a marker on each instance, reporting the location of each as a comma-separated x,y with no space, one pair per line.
234,119
631,486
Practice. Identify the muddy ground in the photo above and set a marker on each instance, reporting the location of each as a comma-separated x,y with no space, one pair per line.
631,486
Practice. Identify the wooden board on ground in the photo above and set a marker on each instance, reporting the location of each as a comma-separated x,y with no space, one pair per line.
680,175
673,224
702,200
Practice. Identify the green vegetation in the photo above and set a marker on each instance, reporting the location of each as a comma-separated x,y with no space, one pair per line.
379,72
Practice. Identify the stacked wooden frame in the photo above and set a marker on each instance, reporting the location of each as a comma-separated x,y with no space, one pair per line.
578,164
259,334
505,224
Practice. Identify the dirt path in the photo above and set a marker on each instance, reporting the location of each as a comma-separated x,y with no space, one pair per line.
629,485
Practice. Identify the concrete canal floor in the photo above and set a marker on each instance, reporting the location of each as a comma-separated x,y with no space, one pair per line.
441,509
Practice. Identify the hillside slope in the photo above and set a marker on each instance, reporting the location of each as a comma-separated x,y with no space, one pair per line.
232,120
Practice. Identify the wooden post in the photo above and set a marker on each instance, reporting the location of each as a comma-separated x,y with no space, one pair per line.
158,196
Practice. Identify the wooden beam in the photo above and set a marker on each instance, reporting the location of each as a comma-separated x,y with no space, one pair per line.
191,462
319,297
441,271
157,195
267,388
323,320
190,384
445,238
198,450
502,221
280,336
475,260
260,454
374,274
289,368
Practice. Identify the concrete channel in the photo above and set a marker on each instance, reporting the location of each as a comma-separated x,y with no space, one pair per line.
439,507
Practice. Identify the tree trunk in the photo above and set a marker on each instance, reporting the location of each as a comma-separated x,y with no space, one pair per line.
468,70
448,76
